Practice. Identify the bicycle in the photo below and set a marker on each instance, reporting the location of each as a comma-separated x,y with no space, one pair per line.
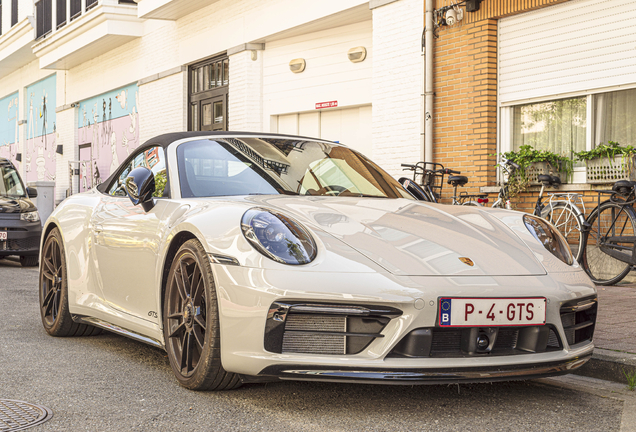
610,238
429,188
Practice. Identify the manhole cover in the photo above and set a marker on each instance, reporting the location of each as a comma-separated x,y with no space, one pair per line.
18,415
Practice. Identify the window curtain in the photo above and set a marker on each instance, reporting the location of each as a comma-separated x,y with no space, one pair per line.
615,117
558,126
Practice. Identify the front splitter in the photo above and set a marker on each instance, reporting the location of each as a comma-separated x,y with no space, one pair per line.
423,376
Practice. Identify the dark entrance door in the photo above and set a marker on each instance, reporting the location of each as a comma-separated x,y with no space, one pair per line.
209,82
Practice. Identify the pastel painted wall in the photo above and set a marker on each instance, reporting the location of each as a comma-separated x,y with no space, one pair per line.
108,131
39,150
9,126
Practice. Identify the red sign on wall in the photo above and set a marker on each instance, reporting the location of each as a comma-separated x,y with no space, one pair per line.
330,104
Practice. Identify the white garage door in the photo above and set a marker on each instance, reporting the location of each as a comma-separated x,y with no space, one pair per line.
349,126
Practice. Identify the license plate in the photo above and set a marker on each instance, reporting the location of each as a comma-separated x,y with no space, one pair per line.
485,312
3,235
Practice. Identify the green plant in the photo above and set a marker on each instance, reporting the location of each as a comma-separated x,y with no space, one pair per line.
525,157
609,150
160,183
631,379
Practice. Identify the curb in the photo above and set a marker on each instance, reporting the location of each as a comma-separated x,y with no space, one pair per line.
609,365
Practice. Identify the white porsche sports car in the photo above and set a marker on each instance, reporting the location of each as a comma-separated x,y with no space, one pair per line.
251,257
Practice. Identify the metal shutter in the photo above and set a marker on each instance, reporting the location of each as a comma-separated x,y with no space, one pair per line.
577,46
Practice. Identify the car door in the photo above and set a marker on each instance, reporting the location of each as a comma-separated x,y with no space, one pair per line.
127,241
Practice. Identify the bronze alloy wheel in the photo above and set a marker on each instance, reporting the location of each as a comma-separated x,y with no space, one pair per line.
191,325
54,310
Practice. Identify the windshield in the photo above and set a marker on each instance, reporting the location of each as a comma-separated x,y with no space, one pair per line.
266,166
10,183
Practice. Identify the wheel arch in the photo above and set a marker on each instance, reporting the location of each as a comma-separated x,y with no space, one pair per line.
179,239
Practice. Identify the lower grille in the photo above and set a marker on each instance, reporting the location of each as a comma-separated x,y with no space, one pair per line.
17,245
462,342
300,336
297,342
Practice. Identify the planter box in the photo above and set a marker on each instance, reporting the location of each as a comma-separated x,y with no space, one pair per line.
539,168
605,170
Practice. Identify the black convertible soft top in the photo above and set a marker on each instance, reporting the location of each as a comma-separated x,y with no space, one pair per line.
166,139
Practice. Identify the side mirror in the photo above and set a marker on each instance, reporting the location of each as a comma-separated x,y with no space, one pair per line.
139,185
32,192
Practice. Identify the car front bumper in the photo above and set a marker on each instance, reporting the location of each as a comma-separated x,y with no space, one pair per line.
23,238
246,296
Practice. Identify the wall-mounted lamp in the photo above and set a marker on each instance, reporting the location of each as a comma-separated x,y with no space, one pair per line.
18,157
357,54
297,65
21,122
59,149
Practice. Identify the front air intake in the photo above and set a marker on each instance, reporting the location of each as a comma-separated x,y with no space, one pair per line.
318,328
579,319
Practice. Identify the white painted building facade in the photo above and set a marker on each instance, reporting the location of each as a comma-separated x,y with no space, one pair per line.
96,78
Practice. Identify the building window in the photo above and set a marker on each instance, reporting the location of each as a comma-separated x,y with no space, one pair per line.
61,13
614,115
0,17
558,126
76,8
44,20
208,84
90,4
14,12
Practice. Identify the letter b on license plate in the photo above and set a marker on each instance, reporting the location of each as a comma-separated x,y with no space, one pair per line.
482,312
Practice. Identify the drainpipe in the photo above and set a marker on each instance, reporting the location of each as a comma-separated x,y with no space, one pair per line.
428,82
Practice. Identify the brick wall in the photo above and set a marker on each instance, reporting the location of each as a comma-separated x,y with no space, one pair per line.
465,111
397,84
162,106
245,105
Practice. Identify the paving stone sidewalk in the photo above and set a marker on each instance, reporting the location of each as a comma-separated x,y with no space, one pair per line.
615,334
616,321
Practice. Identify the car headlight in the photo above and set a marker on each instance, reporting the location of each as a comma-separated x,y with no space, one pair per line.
278,237
549,237
30,216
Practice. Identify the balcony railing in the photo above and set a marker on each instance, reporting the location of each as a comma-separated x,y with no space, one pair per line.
79,30
65,11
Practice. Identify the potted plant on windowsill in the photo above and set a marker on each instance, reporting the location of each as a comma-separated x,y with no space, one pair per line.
532,163
608,163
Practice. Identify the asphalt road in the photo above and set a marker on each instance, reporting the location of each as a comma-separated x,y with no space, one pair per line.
110,383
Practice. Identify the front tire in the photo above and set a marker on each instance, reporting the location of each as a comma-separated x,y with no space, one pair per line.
54,310
191,322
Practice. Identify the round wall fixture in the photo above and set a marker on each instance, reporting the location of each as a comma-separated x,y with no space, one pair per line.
297,65
357,54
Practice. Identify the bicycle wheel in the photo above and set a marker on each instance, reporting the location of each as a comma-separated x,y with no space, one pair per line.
615,220
472,204
569,221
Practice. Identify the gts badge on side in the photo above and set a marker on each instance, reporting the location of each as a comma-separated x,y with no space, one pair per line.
152,314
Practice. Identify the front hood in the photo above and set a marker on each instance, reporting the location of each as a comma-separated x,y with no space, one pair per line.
15,204
414,238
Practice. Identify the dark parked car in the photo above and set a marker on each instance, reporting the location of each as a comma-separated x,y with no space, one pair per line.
20,226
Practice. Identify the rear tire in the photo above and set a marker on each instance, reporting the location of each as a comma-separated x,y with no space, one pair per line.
615,220
569,221
29,261
54,311
191,322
